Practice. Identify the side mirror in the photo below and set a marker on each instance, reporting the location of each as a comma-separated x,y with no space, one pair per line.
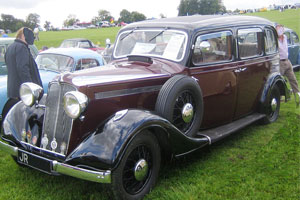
205,47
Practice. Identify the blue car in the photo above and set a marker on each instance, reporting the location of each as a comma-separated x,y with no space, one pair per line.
52,62
293,46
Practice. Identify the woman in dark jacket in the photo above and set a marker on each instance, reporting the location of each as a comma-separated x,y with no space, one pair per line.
21,67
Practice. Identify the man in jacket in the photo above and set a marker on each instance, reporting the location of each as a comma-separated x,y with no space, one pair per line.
21,67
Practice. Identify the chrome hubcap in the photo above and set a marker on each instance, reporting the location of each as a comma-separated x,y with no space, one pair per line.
273,104
187,113
141,170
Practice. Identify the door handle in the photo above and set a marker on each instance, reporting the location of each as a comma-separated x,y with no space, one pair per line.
243,69
237,70
240,70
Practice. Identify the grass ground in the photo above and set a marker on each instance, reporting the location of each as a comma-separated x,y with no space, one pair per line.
97,36
257,163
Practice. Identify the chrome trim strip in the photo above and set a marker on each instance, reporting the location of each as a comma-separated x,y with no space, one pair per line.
8,149
103,79
209,139
43,150
85,174
119,93
101,176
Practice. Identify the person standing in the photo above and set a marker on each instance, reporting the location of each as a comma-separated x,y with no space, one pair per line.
286,68
21,67
36,33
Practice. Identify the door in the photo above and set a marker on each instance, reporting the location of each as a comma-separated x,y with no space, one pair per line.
212,65
252,70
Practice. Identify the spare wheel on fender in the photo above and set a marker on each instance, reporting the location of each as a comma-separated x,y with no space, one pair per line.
180,101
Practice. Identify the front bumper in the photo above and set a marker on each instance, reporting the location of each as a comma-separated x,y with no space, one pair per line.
101,176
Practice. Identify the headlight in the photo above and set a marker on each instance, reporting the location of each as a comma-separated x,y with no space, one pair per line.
75,103
30,93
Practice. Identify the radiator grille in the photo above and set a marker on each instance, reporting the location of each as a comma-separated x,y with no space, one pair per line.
57,124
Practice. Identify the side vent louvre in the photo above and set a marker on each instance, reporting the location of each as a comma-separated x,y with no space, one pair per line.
136,58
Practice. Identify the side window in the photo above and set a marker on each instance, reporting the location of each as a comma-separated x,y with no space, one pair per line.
288,36
86,63
3,69
85,44
2,52
294,38
250,42
270,42
214,47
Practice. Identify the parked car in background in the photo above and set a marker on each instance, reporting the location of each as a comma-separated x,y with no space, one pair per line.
81,43
54,61
293,47
174,85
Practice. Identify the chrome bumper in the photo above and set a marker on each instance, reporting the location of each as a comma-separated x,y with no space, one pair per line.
102,176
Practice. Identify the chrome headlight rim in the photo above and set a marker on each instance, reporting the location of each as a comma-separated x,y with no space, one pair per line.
75,103
30,93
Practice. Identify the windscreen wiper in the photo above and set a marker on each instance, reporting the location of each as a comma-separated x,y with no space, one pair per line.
125,36
158,34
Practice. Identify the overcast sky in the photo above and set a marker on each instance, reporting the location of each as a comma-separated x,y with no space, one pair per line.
56,11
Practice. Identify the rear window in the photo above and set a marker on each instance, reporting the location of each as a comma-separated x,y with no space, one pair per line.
270,42
250,42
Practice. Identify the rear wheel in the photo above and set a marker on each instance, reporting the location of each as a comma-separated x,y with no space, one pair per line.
138,170
272,106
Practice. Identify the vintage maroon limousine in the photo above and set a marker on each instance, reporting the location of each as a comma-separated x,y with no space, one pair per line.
174,85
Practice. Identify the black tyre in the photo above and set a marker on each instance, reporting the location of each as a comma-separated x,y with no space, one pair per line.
180,101
138,170
272,106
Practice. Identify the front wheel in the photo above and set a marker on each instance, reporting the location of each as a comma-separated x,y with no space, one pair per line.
138,170
272,106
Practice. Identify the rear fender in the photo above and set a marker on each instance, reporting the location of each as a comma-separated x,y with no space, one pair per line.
273,79
105,147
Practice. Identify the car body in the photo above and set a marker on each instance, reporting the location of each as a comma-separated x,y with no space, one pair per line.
293,47
174,85
54,61
81,43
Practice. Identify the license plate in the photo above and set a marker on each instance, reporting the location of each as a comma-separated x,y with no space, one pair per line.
34,161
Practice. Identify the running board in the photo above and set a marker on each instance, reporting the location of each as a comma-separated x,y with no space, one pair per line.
220,132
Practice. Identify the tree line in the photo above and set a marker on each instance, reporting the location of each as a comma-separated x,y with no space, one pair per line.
104,15
202,7
9,22
186,7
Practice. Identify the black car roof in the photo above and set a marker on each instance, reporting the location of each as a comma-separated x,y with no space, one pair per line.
201,22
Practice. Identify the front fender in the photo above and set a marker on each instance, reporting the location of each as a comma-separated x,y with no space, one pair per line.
104,147
22,120
274,79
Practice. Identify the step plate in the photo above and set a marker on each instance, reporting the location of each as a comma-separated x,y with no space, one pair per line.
220,132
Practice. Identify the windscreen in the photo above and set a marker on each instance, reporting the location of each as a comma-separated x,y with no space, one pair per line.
59,63
169,44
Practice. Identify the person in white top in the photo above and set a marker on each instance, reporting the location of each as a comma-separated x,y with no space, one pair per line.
36,33
286,68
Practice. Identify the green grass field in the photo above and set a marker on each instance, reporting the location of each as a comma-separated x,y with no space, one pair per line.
97,36
257,163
